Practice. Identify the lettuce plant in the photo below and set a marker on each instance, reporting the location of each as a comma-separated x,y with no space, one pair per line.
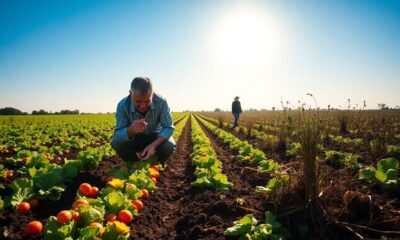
385,173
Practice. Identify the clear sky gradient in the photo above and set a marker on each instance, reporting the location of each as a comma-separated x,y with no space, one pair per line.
69,54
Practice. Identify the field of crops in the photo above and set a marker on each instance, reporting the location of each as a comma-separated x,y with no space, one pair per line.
279,175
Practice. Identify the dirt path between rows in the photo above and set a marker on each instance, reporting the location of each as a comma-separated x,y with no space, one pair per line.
178,211
159,216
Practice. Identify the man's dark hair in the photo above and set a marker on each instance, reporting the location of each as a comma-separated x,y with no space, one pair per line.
142,84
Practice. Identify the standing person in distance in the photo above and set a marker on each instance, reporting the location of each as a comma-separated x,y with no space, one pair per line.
144,124
236,111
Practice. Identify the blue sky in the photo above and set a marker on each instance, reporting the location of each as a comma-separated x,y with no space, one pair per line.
83,55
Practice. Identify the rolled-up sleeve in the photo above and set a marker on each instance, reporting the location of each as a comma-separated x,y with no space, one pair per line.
122,124
166,122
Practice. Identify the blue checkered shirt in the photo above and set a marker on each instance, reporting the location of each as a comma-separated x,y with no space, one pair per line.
158,118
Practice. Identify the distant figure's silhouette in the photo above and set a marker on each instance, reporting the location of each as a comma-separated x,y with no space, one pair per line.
236,111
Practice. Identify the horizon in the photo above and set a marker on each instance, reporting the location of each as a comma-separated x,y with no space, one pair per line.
199,54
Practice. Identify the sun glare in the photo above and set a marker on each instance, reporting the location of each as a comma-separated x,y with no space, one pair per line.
245,36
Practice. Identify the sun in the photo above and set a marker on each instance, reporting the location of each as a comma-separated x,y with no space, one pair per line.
245,35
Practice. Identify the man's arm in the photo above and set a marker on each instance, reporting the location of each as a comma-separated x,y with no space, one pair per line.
166,122
165,133
122,124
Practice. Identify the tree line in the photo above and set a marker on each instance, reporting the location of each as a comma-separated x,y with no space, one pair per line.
14,111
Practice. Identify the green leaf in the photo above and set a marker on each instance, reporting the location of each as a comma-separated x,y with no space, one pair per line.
116,201
47,180
368,174
118,173
381,176
37,161
53,193
116,230
21,183
89,233
221,181
247,219
22,190
242,226
271,219
203,182
268,166
132,191
238,230
90,214
262,189
388,163
55,231
71,169
391,176
142,180
262,231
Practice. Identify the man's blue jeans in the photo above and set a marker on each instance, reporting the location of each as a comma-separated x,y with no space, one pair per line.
127,150
236,116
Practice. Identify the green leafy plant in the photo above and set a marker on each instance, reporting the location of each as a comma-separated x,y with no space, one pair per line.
247,228
385,173
393,150
116,230
294,149
208,168
56,231
117,201
274,184
340,159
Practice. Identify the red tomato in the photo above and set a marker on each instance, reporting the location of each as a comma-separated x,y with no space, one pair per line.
85,189
63,217
145,194
24,207
94,192
138,205
24,160
111,217
33,228
34,203
125,216
95,225
154,180
14,150
76,216
9,174
5,151
47,155
155,167
155,174
131,185
135,166
79,202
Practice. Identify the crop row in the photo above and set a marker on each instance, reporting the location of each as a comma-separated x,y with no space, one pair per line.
247,153
106,213
208,168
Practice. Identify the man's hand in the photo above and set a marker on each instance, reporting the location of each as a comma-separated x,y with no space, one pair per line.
148,151
136,127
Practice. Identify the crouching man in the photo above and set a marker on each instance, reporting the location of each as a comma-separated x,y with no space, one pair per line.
144,124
